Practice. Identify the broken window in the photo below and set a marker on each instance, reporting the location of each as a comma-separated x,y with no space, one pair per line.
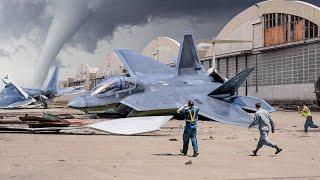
280,28
310,30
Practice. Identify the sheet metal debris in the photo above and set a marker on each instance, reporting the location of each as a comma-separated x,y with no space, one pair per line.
131,126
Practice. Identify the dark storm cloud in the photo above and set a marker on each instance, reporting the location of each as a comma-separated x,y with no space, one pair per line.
114,13
19,17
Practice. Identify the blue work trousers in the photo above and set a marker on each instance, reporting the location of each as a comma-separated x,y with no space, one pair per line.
309,124
190,133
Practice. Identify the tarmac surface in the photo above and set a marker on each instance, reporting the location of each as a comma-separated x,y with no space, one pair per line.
224,153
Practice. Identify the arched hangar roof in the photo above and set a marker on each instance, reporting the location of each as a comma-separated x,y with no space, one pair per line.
298,8
164,49
240,27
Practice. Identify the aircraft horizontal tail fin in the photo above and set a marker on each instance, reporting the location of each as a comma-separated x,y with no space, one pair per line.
247,103
20,90
188,61
232,85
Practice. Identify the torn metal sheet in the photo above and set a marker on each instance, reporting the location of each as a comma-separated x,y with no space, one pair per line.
131,126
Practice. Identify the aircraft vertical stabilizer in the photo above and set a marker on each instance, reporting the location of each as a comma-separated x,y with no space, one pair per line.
53,83
188,62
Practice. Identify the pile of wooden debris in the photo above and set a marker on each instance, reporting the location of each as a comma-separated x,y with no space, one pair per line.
47,120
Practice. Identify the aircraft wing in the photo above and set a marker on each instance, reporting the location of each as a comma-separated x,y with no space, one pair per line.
224,112
220,111
146,102
140,66
209,107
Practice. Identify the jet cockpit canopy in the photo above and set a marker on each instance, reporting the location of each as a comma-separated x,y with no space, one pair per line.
114,84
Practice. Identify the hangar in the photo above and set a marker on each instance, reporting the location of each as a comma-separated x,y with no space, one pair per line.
284,50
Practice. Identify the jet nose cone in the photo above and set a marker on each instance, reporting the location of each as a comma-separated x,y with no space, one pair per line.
77,102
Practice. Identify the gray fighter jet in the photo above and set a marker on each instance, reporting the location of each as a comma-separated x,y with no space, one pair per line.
154,88
13,96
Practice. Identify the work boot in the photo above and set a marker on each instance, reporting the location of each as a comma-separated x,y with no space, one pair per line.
182,152
195,154
255,152
278,150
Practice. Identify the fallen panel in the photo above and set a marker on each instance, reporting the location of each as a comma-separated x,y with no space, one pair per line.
47,129
130,126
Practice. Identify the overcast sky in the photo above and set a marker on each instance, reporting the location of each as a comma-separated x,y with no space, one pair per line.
24,25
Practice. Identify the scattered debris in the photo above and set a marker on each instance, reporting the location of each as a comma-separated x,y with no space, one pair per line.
188,163
173,139
10,121
65,116
45,121
78,122
234,137
210,138
35,130
89,116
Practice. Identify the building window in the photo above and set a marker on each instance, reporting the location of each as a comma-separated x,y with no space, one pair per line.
270,20
310,30
282,28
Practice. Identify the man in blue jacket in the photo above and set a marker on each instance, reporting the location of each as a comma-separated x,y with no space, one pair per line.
190,112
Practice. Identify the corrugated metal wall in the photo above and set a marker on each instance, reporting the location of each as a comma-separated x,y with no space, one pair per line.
293,65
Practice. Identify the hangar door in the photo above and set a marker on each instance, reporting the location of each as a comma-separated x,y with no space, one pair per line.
257,35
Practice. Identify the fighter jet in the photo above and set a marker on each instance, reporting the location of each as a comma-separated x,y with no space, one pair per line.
154,88
13,96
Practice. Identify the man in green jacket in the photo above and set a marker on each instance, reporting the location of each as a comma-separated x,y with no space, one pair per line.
304,110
